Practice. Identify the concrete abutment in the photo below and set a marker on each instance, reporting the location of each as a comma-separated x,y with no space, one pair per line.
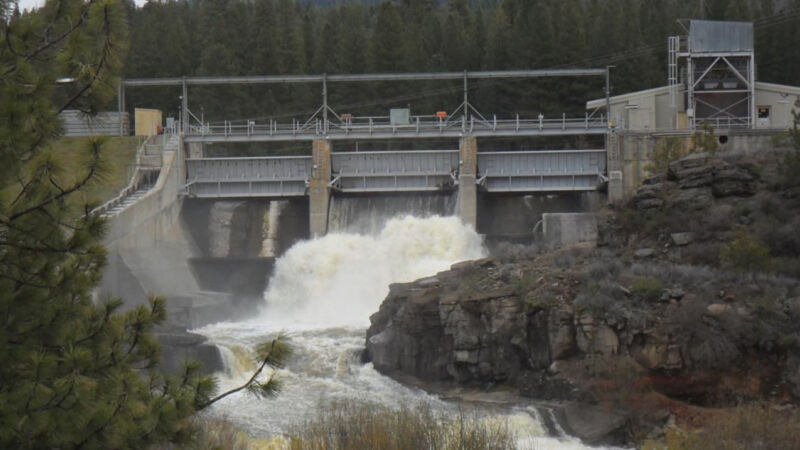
467,207
319,190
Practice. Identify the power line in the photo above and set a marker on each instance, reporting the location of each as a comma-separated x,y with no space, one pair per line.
762,23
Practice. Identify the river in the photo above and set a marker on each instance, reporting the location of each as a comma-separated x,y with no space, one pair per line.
320,296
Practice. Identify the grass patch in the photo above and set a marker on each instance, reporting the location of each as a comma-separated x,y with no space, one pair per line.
69,156
648,288
746,252
211,434
742,428
347,425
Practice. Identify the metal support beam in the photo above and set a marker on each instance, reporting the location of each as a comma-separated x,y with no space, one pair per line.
184,107
466,95
121,105
608,96
279,79
325,102
705,72
751,61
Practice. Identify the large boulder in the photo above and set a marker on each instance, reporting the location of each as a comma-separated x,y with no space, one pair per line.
696,177
733,181
178,346
406,335
693,199
561,333
594,424
649,197
687,166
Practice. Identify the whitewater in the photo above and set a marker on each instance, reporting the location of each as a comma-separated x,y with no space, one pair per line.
320,296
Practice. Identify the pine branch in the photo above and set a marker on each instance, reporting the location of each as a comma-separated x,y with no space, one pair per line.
100,63
110,418
273,357
46,45
64,193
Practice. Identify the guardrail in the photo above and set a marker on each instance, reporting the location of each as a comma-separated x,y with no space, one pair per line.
383,125
137,177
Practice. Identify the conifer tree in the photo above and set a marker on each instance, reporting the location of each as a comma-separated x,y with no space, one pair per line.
73,373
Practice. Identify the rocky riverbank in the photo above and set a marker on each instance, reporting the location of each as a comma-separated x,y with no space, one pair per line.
690,301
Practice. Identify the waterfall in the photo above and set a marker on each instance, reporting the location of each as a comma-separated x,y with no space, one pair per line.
369,214
321,295
270,227
219,227
341,278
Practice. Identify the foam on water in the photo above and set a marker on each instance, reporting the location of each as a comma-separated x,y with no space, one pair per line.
321,295
341,278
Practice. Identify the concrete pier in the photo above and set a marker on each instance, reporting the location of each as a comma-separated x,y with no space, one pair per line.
467,207
318,190
614,167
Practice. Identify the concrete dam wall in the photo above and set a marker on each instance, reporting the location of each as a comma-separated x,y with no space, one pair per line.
211,258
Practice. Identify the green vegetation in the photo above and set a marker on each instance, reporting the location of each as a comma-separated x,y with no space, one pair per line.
117,157
212,37
705,140
67,158
75,373
666,150
353,425
648,288
741,428
790,171
746,252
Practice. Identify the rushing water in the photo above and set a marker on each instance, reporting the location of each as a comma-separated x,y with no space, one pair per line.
321,295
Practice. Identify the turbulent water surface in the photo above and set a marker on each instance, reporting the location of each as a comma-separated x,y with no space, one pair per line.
321,295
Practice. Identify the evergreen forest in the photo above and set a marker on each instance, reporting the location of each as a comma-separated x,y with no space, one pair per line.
267,37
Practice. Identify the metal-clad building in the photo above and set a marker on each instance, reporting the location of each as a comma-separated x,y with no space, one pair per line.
78,123
711,81
709,36
650,110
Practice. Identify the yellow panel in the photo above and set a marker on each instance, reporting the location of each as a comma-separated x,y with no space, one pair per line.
148,121
683,121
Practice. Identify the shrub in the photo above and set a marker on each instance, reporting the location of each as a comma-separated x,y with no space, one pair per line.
211,435
667,150
787,266
746,253
345,425
648,288
741,428
542,302
705,140
790,170
524,283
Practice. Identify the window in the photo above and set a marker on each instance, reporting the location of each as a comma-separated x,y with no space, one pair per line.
763,112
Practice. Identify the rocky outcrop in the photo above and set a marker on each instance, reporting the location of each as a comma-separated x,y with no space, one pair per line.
546,332
652,312
179,346
693,182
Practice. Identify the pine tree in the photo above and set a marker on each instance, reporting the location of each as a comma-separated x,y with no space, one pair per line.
454,40
74,374
387,37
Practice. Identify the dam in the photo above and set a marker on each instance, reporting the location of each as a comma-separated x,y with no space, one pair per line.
308,244
460,164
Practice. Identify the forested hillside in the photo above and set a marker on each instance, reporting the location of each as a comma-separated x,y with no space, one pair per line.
235,37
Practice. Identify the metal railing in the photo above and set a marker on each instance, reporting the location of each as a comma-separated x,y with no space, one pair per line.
370,125
134,182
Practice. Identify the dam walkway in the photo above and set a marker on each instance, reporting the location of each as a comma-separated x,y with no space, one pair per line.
397,171
325,173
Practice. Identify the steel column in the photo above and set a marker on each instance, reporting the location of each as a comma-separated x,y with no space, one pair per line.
184,107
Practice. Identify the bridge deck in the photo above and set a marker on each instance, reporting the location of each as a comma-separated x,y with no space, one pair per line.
397,171
381,128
